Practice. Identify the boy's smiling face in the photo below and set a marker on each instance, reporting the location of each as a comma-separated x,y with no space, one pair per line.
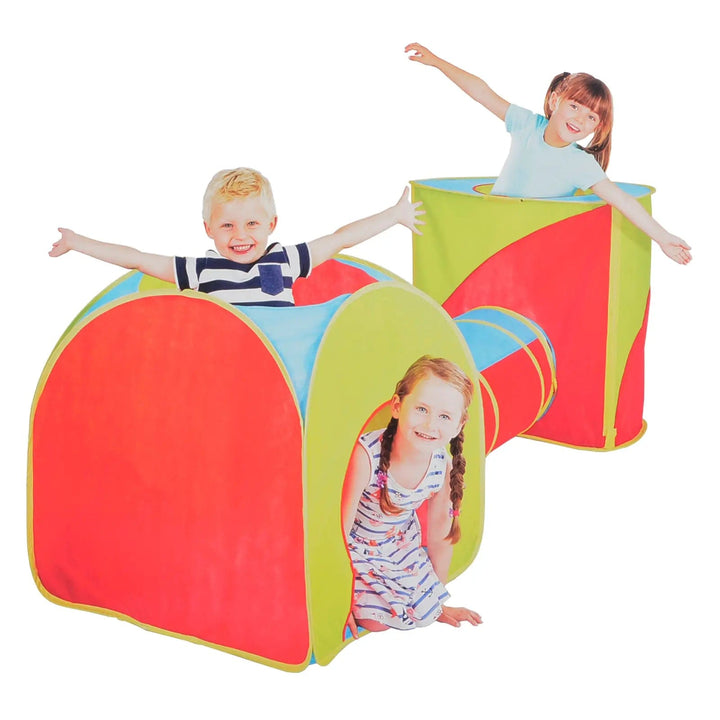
241,228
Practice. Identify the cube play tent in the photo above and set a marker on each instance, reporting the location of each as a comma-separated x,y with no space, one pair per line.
573,265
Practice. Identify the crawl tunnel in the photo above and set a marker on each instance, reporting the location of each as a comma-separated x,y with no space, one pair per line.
187,458
576,268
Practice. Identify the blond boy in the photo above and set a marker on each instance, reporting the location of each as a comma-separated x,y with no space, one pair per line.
239,216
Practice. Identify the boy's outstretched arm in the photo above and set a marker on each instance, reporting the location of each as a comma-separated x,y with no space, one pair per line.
159,266
674,247
403,212
475,87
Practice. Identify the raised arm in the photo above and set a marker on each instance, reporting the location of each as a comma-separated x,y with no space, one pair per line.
674,247
403,212
159,266
474,86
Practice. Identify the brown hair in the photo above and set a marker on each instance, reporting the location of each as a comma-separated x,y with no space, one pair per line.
453,375
593,93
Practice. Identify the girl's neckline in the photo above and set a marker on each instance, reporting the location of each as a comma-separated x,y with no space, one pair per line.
422,477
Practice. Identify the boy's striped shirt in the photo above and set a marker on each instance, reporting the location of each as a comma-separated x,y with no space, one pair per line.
268,281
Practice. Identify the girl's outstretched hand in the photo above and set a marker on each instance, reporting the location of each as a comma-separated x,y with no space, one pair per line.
421,54
454,616
676,249
407,212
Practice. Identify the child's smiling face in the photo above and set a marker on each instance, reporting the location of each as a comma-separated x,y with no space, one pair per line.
430,415
241,228
570,122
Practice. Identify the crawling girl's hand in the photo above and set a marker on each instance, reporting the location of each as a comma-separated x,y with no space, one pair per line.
454,616
352,626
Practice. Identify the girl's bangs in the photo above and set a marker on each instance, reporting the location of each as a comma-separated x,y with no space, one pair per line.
593,94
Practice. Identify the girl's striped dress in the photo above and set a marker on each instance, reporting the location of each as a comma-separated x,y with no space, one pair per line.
395,583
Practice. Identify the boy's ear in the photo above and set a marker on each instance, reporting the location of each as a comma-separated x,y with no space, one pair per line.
273,223
207,229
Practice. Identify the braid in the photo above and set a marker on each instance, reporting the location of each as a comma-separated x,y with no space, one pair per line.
457,484
386,504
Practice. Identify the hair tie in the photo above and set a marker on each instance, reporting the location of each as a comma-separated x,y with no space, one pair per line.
381,477
454,513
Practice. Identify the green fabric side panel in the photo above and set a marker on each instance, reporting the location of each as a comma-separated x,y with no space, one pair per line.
629,287
367,348
149,282
462,231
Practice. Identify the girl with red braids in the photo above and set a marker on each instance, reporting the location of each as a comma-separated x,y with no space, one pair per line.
392,472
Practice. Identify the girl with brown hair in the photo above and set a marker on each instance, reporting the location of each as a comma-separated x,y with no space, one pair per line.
392,472
545,159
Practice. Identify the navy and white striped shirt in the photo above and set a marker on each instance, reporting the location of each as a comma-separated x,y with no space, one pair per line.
268,281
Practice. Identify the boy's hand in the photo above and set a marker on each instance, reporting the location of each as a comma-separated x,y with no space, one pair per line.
422,54
454,616
676,249
64,244
407,213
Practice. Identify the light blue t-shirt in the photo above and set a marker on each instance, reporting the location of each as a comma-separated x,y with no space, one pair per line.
535,169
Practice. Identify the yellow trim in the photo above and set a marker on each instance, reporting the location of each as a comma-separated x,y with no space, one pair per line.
73,329
496,410
191,638
95,299
627,443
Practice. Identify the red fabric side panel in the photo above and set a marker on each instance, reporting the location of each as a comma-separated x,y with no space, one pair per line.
519,393
558,277
167,478
628,416
329,280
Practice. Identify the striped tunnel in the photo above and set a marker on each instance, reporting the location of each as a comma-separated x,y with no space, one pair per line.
516,370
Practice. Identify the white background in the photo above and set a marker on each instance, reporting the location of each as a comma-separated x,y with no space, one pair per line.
598,573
